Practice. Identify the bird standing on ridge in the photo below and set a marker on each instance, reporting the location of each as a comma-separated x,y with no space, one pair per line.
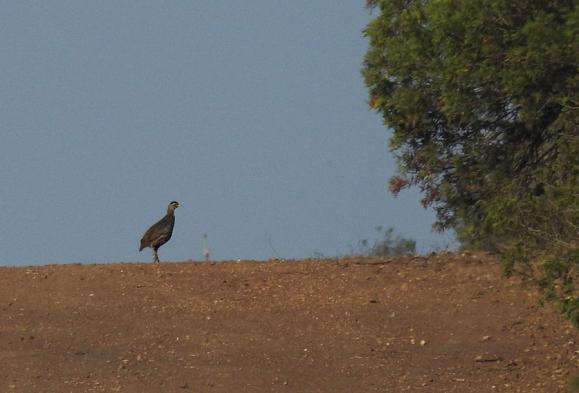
160,232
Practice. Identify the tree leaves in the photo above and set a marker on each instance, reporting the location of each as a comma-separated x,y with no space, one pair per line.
482,99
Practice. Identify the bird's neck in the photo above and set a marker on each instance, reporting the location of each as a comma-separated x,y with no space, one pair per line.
170,212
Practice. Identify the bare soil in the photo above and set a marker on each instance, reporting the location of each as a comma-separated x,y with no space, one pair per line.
445,323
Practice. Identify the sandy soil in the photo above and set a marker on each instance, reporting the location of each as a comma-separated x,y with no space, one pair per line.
446,323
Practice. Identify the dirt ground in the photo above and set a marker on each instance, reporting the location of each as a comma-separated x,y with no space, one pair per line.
446,323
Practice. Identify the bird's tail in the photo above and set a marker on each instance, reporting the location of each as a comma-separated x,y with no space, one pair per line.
143,245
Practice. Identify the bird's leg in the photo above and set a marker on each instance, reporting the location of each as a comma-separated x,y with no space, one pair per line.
155,255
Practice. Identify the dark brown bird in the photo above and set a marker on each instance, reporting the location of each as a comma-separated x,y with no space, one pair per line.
160,232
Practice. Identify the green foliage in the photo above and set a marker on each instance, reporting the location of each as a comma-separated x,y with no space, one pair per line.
540,230
389,245
482,97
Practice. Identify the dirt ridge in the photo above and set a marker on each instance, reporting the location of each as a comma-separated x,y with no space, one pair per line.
443,323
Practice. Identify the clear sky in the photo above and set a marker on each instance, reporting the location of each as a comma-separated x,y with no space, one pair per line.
252,114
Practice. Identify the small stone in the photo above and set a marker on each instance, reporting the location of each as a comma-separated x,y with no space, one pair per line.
486,358
422,342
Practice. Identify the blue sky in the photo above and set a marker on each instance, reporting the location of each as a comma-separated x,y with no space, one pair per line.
253,115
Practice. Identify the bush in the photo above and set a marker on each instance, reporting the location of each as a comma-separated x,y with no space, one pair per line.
389,245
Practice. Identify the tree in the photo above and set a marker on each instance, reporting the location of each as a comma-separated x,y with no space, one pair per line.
482,99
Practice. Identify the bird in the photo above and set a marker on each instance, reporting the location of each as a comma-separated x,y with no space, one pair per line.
160,232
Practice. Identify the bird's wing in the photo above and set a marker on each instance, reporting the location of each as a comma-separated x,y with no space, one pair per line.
154,231
157,231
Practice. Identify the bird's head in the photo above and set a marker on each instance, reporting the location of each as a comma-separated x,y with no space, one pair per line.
173,205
